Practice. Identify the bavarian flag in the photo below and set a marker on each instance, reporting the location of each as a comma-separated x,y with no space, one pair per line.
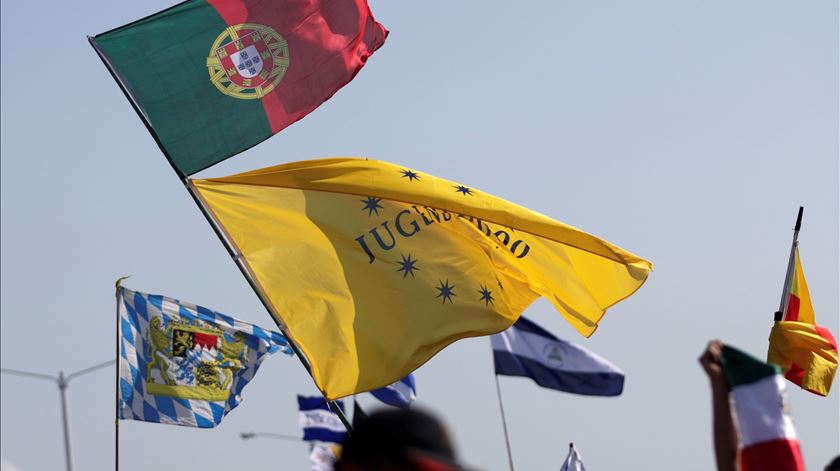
212,78
374,268
806,352
183,364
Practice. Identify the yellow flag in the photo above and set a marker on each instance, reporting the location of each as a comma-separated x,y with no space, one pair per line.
806,352
374,268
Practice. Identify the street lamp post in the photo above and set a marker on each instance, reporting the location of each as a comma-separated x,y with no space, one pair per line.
62,382
62,388
278,436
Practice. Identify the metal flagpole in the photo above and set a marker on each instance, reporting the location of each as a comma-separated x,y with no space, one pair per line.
504,422
65,420
780,314
117,285
234,253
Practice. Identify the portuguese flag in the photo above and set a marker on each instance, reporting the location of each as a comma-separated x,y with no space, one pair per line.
766,434
211,78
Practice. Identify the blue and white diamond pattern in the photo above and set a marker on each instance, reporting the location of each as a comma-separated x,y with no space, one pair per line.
136,311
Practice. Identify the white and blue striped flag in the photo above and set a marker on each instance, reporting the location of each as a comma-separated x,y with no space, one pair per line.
526,349
184,364
318,422
399,394
573,461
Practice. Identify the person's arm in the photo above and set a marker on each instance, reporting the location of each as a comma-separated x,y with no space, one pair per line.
725,436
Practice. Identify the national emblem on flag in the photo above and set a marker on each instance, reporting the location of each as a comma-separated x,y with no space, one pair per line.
184,364
528,350
254,59
212,78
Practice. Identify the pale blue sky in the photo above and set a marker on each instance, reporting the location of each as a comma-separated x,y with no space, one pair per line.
686,132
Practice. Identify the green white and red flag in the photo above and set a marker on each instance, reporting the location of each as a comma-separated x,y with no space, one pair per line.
211,78
766,433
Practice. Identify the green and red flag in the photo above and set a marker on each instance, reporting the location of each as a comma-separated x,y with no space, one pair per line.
211,78
766,434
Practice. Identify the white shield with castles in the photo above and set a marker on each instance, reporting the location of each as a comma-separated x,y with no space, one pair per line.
247,61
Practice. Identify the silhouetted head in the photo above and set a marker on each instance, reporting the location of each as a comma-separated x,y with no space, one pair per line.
398,440
834,465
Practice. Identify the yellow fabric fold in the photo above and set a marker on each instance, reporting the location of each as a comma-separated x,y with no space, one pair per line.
805,353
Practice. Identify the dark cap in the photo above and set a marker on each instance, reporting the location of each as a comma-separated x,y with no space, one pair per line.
397,439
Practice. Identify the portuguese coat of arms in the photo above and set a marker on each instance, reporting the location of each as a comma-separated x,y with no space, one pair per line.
248,60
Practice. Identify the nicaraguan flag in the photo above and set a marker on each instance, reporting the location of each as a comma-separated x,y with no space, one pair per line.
318,422
399,394
528,350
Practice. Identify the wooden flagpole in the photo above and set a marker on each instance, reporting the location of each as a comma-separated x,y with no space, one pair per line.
780,314
235,255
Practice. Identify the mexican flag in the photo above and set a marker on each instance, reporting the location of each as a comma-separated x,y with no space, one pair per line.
766,434
211,78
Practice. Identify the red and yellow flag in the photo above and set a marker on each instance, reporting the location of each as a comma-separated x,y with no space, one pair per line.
806,352
799,307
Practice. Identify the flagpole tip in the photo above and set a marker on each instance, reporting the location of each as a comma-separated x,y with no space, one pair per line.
118,283
799,218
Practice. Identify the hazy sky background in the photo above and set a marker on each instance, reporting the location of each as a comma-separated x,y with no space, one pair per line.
685,132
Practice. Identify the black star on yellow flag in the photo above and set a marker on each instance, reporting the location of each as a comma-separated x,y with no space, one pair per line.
332,244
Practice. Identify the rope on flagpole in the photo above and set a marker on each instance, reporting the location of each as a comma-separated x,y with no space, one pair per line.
780,314
234,254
